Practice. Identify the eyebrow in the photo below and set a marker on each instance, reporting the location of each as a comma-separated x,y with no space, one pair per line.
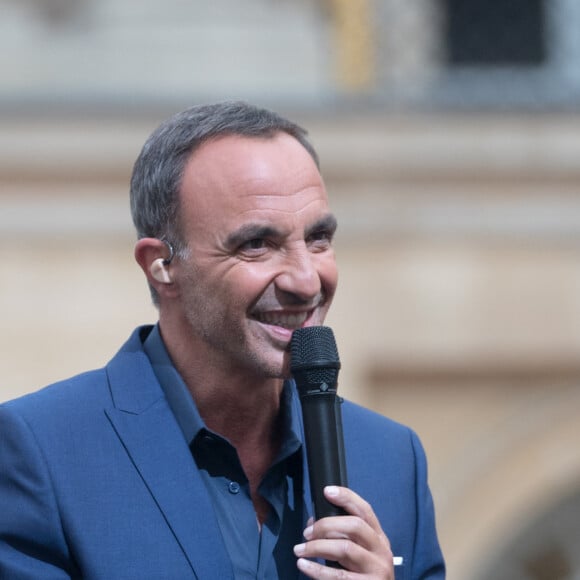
253,231
250,232
326,223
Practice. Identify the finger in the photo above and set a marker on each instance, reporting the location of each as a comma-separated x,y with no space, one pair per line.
348,528
318,571
352,503
349,555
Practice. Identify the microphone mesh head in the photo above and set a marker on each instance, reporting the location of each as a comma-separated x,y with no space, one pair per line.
314,357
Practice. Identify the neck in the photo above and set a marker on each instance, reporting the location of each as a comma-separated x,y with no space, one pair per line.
240,405
246,414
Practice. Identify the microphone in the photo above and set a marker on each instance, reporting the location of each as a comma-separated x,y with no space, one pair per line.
314,364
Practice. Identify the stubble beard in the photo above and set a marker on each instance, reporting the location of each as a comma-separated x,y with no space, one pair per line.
232,347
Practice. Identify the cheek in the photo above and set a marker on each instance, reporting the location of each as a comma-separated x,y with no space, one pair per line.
241,286
248,277
328,273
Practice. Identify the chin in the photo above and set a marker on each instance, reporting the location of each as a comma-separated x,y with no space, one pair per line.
273,371
276,367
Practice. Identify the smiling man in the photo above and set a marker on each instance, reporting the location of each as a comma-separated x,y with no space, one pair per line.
184,457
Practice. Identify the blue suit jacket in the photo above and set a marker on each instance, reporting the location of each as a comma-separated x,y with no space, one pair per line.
97,481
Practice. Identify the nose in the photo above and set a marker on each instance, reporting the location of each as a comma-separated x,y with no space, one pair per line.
299,277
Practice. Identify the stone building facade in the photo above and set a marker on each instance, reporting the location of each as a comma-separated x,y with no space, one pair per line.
458,310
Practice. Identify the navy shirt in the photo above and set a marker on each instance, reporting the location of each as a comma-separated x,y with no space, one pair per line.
255,553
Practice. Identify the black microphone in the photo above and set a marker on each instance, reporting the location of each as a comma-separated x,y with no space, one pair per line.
314,364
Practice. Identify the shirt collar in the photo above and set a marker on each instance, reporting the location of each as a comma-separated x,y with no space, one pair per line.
185,410
178,396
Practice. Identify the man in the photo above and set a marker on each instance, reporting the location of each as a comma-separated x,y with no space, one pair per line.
183,457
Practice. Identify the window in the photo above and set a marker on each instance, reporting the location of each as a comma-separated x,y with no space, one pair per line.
495,32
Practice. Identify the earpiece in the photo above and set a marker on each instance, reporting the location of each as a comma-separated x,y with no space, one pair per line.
158,270
167,260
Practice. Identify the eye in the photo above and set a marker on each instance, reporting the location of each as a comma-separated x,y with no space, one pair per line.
320,240
253,248
255,244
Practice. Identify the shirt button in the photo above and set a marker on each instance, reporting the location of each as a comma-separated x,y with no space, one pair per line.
234,487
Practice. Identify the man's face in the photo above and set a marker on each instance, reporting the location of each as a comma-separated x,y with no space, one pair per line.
257,224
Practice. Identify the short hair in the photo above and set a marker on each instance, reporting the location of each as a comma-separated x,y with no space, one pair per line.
158,171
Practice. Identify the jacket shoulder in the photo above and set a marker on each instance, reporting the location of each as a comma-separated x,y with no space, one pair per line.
362,424
74,391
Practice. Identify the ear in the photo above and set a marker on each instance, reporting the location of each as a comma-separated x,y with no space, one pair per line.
152,255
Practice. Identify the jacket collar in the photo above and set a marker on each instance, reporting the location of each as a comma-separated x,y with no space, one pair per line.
155,445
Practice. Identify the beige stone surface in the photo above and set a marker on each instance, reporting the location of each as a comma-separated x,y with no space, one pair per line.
458,310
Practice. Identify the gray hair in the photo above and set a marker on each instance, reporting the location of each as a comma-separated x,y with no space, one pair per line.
158,171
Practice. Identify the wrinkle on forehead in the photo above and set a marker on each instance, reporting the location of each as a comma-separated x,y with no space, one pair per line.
235,176
296,202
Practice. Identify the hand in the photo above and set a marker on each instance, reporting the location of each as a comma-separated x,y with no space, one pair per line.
356,541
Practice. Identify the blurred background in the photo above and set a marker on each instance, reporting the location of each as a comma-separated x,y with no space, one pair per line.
449,133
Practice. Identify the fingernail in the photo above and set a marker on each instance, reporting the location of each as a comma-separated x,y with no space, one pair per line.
299,549
331,490
305,565
308,532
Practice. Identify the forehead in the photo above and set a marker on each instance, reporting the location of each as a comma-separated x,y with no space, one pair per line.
234,175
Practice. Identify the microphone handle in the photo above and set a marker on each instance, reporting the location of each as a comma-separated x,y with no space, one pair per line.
322,415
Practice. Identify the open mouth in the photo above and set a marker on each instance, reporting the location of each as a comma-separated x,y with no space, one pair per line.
285,320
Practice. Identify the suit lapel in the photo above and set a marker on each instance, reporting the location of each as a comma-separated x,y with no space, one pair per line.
148,431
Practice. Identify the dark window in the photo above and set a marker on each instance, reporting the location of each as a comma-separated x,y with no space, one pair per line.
496,32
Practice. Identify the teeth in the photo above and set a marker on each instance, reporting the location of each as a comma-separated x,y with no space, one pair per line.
284,320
